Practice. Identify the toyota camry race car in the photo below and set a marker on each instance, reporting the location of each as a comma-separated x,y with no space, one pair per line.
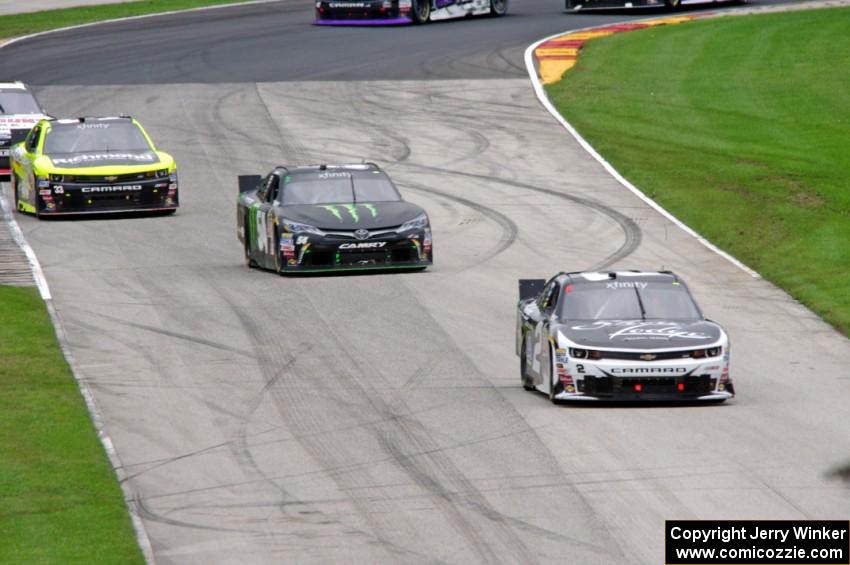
585,5
91,165
619,336
393,12
19,111
328,218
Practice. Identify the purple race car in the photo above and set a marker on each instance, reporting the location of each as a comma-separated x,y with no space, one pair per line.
390,12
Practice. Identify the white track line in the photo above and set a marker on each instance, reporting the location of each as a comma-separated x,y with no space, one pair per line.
85,391
544,100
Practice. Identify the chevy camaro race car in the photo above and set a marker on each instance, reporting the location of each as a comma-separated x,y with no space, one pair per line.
584,5
91,165
19,111
390,12
619,336
330,217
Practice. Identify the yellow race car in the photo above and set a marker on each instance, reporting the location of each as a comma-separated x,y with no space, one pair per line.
91,165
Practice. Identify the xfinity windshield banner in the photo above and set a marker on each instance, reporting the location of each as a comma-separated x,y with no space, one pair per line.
751,542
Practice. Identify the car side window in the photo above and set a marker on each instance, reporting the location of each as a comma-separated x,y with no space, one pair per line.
545,299
552,299
273,184
32,139
263,190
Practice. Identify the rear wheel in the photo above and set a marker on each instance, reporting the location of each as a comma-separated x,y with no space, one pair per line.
498,7
421,11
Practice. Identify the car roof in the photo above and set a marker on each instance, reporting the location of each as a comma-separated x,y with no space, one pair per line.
87,119
596,277
17,85
333,168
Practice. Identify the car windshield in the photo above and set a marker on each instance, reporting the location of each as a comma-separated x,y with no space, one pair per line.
338,187
618,300
19,102
96,136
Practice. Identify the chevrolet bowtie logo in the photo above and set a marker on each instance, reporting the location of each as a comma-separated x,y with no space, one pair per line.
110,179
648,357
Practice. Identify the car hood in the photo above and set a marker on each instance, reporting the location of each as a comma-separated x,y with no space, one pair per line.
104,159
641,334
366,215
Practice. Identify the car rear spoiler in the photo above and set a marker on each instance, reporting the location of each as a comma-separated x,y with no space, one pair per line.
18,135
529,288
248,182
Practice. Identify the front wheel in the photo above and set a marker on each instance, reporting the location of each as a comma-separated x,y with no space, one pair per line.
555,387
498,7
421,11
249,262
278,260
523,369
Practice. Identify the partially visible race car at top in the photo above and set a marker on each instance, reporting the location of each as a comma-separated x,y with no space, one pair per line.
394,12
330,218
625,335
587,5
91,165
19,112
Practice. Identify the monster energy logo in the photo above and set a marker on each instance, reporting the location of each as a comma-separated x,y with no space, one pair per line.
351,209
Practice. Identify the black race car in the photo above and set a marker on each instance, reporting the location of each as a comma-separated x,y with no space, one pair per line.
625,335
329,218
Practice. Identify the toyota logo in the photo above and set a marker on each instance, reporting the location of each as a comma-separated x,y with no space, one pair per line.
361,234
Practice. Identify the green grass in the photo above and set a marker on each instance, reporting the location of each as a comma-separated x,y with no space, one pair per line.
23,24
741,128
59,499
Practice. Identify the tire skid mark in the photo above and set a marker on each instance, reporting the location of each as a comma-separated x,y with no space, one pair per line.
295,409
631,230
410,432
508,226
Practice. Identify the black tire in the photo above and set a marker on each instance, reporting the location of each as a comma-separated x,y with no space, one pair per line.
420,11
15,182
278,260
498,8
250,263
523,370
554,389
672,4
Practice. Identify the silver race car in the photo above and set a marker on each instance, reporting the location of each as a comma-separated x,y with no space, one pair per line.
625,335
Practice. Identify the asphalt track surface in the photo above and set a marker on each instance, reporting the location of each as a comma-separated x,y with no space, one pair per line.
380,418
